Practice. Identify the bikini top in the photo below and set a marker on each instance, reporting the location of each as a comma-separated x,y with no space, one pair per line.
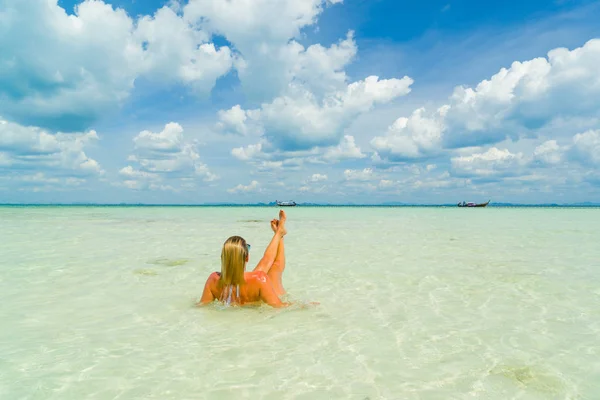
227,293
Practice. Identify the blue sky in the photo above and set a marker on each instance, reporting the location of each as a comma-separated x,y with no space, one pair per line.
312,100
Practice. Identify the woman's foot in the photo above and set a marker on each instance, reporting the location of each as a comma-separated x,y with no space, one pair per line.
282,216
281,223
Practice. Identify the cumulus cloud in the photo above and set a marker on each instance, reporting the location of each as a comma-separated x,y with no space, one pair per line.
87,62
269,161
492,163
247,153
232,120
63,71
411,138
586,147
548,153
193,61
245,22
164,156
318,178
265,156
443,180
32,154
316,183
545,164
307,98
346,150
237,121
387,184
252,187
516,102
299,121
320,69
358,175
272,58
412,178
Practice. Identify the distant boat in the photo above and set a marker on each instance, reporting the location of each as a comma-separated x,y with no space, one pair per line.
285,203
463,204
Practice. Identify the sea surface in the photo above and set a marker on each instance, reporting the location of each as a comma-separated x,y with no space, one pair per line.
415,303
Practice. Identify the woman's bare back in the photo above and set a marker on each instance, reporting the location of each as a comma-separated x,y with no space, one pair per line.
257,288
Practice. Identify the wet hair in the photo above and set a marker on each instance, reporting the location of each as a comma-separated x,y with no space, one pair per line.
233,261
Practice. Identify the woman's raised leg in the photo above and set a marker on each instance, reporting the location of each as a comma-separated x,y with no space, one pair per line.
272,251
276,271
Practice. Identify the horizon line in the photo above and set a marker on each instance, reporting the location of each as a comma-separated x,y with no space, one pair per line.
306,204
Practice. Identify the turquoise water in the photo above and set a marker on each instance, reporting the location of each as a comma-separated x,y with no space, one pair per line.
416,303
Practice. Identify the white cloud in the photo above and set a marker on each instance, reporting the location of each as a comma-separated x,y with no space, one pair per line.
413,137
307,188
252,187
165,156
194,60
316,183
586,147
86,63
592,177
442,181
548,163
245,22
265,156
346,150
263,32
270,165
516,102
255,155
494,162
318,178
385,184
317,68
299,121
248,152
37,178
31,153
549,153
233,121
27,181
169,140
358,175
130,173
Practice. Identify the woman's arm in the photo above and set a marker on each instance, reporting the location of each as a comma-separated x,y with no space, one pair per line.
207,294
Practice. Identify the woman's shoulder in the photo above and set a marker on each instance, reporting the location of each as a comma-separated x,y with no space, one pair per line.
215,276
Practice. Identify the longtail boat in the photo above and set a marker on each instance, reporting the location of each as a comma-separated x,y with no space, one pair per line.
463,204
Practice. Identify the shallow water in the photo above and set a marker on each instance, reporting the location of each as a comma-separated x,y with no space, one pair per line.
416,303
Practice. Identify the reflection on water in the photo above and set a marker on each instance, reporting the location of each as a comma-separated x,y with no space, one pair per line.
96,306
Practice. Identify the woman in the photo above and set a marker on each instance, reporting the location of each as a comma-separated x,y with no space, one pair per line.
233,285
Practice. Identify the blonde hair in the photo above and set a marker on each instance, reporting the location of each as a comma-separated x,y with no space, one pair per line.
233,263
